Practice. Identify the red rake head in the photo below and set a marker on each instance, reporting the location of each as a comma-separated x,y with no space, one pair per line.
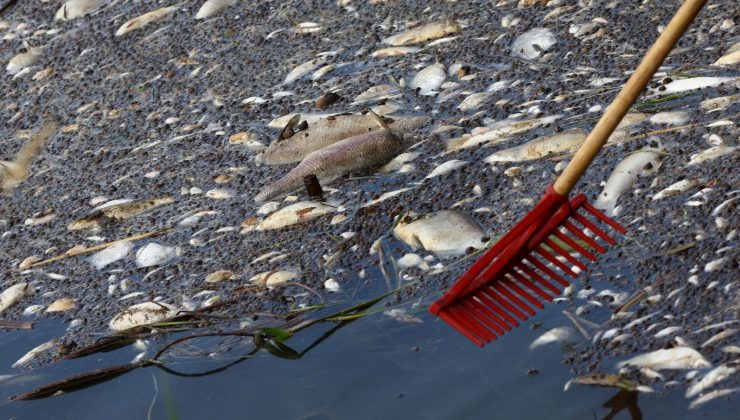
522,269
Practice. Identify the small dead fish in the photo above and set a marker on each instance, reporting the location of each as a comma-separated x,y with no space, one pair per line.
711,154
541,147
677,188
303,70
709,396
24,59
12,173
377,93
474,101
675,358
394,52
330,130
607,380
426,32
429,79
720,336
271,278
211,7
446,167
643,163
553,335
731,57
142,314
341,158
109,212
72,9
445,233
145,19
710,379
498,131
35,352
693,83
533,43
294,214
327,100
12,295
307,27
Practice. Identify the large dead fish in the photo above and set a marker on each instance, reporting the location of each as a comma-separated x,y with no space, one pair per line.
341,158
294,147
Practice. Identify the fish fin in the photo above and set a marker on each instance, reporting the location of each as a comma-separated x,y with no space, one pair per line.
288,129
379,119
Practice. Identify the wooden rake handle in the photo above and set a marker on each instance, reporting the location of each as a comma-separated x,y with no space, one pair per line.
622,103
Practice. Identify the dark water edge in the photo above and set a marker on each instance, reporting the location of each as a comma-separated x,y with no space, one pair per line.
367,370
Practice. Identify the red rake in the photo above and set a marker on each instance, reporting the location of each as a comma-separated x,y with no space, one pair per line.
525,267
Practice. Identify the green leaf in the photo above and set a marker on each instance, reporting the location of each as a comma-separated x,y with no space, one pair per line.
277,334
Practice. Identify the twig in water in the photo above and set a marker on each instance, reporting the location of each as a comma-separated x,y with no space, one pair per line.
154,400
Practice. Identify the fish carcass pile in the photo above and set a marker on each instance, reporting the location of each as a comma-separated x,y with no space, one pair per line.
186,130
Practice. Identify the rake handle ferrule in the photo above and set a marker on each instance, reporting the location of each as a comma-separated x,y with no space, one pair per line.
630,92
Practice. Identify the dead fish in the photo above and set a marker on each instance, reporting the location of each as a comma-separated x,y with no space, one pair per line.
541,147
643,163
719,336
533,43
72,9
677,188
394,52
446,233
377,93
294,214
35,352
145,19
710,379
341,158
731,57
499,131
474,101
426,32
446,167
718,103
607,380
330,130
112,211
307,27
12,173
25,59
12,295
109,255
142,314
675,358
710,154
709,396
211,7
271,278
553,335
303,70
429,79
153,254
62,305
693,83
308,117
